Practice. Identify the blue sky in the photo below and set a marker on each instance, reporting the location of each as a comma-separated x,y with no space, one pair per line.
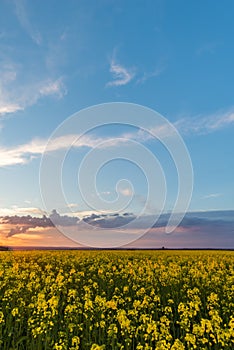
57,58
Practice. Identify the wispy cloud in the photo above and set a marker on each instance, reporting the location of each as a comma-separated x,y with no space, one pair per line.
55,87
208,47
8,75
121,74
205,124
15,210
24,82
153,74
27,25
22,154
15,96
7,107
212,195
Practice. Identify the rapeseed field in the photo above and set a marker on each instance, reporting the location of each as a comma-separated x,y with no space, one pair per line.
131,300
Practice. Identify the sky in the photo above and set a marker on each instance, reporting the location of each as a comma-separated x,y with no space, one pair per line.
59,58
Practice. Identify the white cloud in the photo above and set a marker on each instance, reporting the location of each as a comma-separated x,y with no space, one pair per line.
8,75
47,87
53,88
121,74
148,75
27,25
15,96
15,210
203,125
221,121
208,47
127,192
23,154
212,195
6,107
27,210
72,205
21,85
84,213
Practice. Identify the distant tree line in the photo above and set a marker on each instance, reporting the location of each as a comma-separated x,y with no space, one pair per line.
4,248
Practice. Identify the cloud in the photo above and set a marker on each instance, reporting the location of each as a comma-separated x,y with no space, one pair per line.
212,195
121,74
22,154
127,192
208,229
209,48
88,213
23,224
72,205
24,82
27,210
148,75
16,96
63,220
7,107
27,25
15,210
108,220
202,125
51,87
195,220
8,75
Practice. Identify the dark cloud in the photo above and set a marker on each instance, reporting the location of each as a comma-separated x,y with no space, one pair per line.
92,217
209,229
114,220
23,223
206,218
62,220
27,220
197,229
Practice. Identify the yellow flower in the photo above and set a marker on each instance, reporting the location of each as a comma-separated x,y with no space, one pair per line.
97,347
177,345
15,311
2,319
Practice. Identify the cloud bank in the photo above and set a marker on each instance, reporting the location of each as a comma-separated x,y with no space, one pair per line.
209,229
